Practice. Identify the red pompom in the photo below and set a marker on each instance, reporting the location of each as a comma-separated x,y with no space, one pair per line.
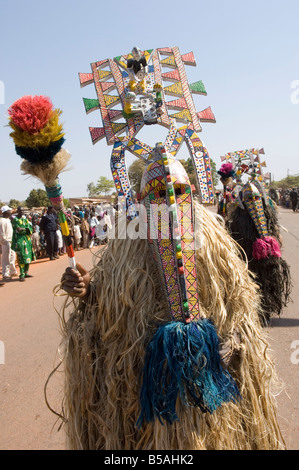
31,113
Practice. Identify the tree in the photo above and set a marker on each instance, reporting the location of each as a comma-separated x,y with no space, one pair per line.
37,198
136,170
215,176
188,165
91,189
286,183
104,185
14,203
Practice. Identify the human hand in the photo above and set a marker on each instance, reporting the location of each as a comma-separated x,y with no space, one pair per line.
76,281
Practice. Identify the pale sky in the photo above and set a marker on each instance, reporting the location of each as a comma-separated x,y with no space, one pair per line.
247,55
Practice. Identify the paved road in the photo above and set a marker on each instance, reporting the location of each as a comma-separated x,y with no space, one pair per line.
29,329
284,336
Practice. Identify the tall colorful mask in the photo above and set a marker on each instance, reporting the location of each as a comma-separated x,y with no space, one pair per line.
265,245
182,358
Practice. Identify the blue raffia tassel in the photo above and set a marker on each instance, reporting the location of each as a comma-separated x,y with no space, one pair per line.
184,359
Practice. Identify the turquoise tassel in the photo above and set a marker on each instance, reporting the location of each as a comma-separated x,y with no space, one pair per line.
184,359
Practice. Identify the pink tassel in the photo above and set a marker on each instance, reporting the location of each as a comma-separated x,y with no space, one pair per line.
263,247
274,246
260,249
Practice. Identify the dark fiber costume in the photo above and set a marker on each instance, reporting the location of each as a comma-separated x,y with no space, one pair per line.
271,272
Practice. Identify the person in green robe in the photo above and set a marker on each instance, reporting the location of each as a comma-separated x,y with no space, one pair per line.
21,242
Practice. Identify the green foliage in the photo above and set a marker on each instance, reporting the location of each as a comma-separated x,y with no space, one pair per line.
91,189
286,183
66,203
37,198
188,165
14,203
104,185
215,176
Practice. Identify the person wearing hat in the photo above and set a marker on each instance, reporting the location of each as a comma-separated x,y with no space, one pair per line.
8,255
21,242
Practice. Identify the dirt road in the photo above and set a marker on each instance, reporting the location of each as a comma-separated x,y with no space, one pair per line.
29,332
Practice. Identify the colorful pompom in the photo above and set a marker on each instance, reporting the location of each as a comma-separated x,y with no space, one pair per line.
227,170
37,132
31,113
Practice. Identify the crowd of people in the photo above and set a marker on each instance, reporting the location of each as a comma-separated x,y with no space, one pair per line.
289,198
29,235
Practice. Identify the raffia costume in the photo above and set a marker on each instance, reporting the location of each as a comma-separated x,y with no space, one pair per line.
252,221
254,225
105,340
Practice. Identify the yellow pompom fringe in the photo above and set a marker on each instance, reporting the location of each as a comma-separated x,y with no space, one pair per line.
50,133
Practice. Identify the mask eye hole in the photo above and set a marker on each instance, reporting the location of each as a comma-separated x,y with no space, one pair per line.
162,193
